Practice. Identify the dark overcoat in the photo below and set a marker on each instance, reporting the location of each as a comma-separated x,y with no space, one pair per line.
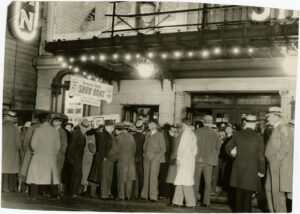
126,162
103,146
172,170
76,148
249,160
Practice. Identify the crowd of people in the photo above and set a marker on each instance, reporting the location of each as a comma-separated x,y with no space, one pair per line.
50,159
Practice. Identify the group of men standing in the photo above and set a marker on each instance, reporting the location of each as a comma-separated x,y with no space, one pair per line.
139,155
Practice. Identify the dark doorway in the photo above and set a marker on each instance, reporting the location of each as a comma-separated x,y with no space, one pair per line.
132,113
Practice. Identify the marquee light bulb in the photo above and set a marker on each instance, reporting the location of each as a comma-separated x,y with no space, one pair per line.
250,50
60,59
92,57
70,66
76,69
89,77
71,59
150,54
64,64
127,56
102,57
177,54
115,56
164,56
190,53
84,73
137,56
205,53
83,58
236,50
217,51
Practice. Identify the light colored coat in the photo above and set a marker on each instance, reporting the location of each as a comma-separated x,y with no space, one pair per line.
279,153
186,155
45,145
11,144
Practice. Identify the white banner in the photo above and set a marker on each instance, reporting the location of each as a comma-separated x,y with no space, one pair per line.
90,92
73,108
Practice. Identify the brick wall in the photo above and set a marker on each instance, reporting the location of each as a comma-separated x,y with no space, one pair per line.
19,73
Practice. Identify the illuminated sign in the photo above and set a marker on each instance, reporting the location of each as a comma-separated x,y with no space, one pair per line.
266,13
24,22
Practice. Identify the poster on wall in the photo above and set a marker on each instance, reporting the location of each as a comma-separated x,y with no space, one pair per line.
73,108
89,91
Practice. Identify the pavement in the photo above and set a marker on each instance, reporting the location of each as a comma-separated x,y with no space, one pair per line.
22,201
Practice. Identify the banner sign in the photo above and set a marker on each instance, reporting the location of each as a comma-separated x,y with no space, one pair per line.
73,108
89,91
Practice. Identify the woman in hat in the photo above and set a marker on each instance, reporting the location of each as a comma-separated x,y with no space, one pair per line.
247,147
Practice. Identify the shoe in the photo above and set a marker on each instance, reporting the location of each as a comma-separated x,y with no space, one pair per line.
76,196
105,199
193,207
174,205
120,199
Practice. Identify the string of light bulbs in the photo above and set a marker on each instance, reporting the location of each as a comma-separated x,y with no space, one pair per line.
68,63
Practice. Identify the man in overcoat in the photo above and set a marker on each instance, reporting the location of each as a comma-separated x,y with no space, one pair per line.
139,138
126,172
185,157
11,145
104,159
43,170
75,156
209,144
247,147
63,138
172,170
279,153
154,154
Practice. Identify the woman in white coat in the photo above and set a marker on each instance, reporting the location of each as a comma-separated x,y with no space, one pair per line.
186,155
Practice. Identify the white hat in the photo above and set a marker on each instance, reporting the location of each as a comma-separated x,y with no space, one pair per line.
27,124
251,119
274,110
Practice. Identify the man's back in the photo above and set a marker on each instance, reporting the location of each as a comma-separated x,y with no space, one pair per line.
209,144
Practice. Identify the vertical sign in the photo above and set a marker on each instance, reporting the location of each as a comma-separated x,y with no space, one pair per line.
24,20
73,108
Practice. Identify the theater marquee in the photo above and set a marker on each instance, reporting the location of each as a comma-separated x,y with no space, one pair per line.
24,20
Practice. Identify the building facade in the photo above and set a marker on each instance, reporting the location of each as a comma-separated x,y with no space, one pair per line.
224,85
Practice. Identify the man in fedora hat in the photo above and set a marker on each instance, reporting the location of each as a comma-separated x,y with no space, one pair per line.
154,154
209,144
75,156
126,161
11,145
43,170
279,153
104,159
139,138
247,147
57,123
